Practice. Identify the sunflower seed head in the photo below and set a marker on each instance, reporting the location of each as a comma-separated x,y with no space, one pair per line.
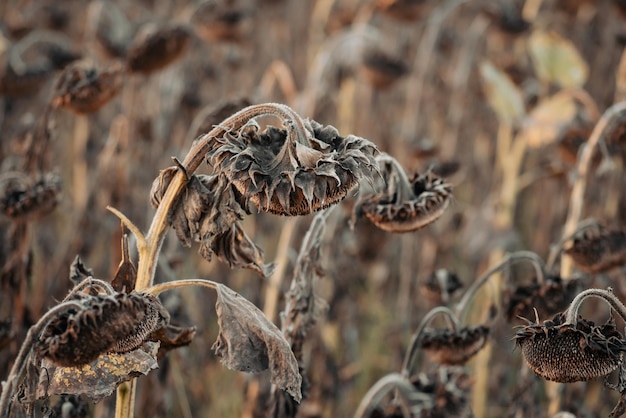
599,249
84,88
440,285
571,352
549,298
285,176
106,323
454,347
408,207
155,48
24,197
380,69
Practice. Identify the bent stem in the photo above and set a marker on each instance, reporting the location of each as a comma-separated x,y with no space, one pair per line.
156,233
612,114
468,296
409,357
382,388
606,295
162,287
20,362
89,283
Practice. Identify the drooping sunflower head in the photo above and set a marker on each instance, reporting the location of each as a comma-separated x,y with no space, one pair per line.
296,170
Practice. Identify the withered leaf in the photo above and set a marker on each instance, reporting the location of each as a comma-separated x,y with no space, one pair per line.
172,336
556,59
207,211
503,95
100,378
79,272
126,274
250,342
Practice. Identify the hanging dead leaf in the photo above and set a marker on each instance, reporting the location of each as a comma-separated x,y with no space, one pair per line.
79,272
548,119
556,60
126,274
171,337
502,94
250,342
100,378
208,212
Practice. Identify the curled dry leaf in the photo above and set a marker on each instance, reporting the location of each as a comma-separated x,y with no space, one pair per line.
99,378
84,88
545,123
78,271
171,337
26,198
406,205
567,353
107,323
502,94
556,60
249,342
294,171
126,274
208,212
155,48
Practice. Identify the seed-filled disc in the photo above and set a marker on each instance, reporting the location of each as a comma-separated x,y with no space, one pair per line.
571,353
599,249
454,347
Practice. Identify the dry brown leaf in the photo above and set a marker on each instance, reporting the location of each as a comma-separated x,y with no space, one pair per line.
503,95
126,274
98,379
250,342
544,123
79,272
556,60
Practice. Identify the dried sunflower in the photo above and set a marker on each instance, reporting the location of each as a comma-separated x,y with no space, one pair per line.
154,48
454,347
23,197
107,323
599,249
440,286
293,171
547,298
406,205
571,352
216,20
83,88
449,387
380,69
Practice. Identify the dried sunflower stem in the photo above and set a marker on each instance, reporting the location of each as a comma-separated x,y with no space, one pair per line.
606,295
88,283
403,183
149,245
383,387
584,163
162,287
468,296
20,362
409,357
